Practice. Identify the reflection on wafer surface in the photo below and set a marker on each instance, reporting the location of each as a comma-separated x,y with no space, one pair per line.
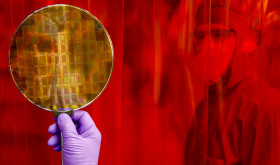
61,57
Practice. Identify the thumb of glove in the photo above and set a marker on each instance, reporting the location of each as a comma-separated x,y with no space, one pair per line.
66,124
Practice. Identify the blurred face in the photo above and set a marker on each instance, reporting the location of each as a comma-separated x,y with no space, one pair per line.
213,51
61,60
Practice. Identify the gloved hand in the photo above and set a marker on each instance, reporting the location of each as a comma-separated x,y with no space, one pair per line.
81,138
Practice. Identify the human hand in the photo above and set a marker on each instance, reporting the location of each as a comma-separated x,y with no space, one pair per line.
81,138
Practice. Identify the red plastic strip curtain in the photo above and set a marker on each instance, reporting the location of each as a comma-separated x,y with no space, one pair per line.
194,82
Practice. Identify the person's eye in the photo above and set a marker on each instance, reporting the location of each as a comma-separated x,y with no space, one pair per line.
216,33
219,34
47,44
44,46
199,35
29,47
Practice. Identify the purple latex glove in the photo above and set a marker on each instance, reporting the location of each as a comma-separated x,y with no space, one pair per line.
81,138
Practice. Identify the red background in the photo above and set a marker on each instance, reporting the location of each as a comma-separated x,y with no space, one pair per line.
146,110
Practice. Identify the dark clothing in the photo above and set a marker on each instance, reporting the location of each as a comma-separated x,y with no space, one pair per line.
237,124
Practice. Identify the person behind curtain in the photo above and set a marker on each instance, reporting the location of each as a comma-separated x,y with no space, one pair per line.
236,123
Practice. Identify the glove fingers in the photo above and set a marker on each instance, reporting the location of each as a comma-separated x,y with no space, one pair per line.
76,126
54,129
66,124
54,140
84,120
57,148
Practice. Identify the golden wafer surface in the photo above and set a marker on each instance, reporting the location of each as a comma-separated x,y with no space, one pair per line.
61,58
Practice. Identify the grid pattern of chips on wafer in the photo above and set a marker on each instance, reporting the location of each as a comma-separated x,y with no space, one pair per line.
61,58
